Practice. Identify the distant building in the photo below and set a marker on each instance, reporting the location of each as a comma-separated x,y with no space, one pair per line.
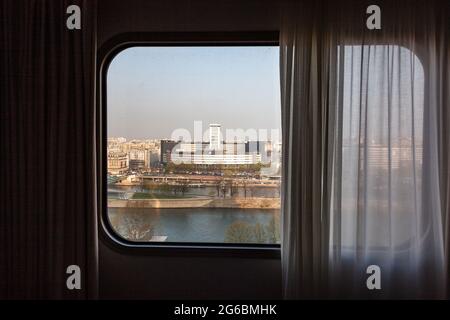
117,162
378,156
215,137
166,150
138,159
216,151
235,153
153,158
142,154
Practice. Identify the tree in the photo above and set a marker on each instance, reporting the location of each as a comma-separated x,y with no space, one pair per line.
165,187
233,188
169,167
260,233
239,232
183,186
135,228
218,188
223,188
243,232
273,229
244,185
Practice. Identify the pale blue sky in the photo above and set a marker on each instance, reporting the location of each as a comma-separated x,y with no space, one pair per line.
154,90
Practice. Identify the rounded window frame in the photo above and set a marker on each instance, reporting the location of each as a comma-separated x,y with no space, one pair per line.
106,54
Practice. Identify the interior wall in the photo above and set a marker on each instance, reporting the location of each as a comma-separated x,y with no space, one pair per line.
153,276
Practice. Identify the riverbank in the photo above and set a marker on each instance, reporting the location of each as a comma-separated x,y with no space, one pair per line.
201,202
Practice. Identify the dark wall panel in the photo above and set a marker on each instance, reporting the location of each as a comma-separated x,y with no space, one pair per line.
117,16
161,277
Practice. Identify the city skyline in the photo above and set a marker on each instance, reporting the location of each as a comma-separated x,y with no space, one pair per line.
203,135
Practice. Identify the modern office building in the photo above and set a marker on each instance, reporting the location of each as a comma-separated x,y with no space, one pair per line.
138,159
215,137
235,153
166,150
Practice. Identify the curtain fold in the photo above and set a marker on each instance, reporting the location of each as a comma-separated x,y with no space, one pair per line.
304,112
47,147
366,149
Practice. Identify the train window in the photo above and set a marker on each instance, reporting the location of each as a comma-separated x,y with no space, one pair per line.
193,150
382,90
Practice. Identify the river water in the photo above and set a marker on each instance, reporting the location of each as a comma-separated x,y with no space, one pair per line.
189,225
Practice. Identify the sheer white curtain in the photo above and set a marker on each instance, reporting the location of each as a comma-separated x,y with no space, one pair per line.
385,191
364,143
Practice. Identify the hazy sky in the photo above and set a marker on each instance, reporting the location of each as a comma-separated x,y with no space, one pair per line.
154,90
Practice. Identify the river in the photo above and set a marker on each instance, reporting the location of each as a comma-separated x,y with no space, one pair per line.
194,224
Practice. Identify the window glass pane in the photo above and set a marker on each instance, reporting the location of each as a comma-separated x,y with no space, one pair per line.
194,144
380,183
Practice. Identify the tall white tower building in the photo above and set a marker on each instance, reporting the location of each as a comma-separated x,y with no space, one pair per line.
215,142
